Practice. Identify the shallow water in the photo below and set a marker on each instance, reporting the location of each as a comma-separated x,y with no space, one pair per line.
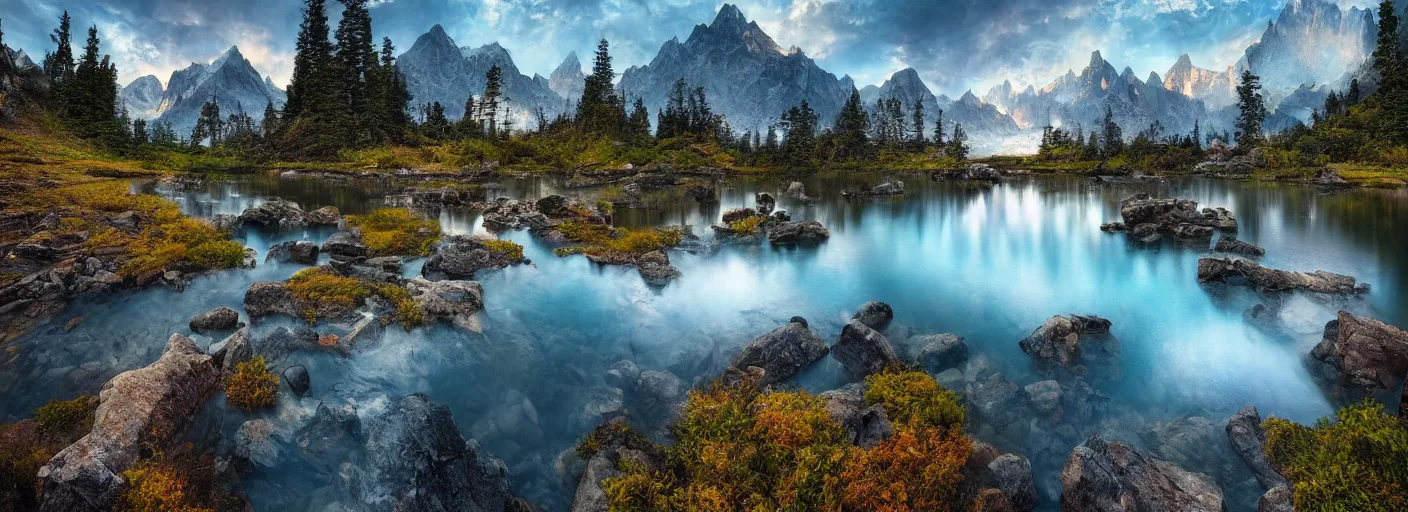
989,264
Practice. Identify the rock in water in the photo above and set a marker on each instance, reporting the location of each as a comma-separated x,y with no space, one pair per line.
1244,430
862,350
270,298
346,246
302,252
218,319
782,353
276,214
655,268
1360,352
1012,474
875,315
257,444
325,216
415,460
233,350
1102,475
1070,342
159,399
801,232
460,257
1242,270
452,301
939,352
1278,499
1233,245
297,378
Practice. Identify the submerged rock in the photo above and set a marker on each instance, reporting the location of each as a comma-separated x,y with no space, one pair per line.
1012,474
218,319
782,353
862,350
451,301
1241,270
1249,441
800,232
1103,475
939,352
1233,245
257,443
297,378
414,459
137,409
1361,353
875,315
1071,342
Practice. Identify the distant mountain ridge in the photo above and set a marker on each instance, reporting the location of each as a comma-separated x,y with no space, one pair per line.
230,80
437,70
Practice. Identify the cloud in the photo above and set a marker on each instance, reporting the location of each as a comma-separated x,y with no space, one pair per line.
955,44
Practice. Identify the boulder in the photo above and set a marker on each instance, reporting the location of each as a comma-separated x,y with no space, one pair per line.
622,374
1104,475
1328,178
655,268
325,216
1278,499
366,332
616,446
875,315
1113,227
1070,342
938,352
865,425
297,378
974,172
1012,474
276,214
995,399
800,232
137,409
257,444
765,202
452,301
461,257
1237,270
782,353
1360,352
658,393
1044,397
270,298
738,214
333,430
991,500
796,189
414,459
1249,441
346,246
301,252
862,350
1233,245
1192,232
218,319
235,349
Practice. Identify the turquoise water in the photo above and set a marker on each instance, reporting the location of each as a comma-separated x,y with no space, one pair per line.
987,263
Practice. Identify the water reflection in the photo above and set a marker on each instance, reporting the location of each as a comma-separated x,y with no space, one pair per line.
986,263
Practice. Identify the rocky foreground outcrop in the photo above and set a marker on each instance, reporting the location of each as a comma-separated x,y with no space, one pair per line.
218,319
1071,343
1233,245
301,252
461,257
1106,476
782,353
1360,353
138,408
807,232
865,424
1235,270
1248,439
1149,218
282,215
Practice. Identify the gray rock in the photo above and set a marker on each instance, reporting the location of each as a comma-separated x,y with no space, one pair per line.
995,399
366,332
865,425
461,257
270,298
1278,499
235,349
1103,475
655,268
325,216
603,404
301,252
452,301
939,352
875,315
332,431
1360,352
297,378
1070,342
218,319
1249,441
1233,245
765,202
658,393
346,246
415,460
801,232
782,353
862,350
1012,474
276,214
738,214
160,399
591,494
1237,270
1045,397
623,374
257,444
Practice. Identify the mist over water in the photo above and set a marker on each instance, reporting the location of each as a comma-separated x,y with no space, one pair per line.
988,264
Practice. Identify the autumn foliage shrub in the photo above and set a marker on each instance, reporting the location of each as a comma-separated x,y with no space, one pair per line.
1357,462
396,232
156,487
252,387
738,448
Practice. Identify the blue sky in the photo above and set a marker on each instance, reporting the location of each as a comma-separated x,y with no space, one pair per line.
955,44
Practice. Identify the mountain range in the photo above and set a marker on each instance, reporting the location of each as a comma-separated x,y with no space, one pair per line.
437,70
230,80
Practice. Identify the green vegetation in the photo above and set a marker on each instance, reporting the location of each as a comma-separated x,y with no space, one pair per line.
253,386
510,250
153,486
605,242
64,418
739,448
28,444
1358,461
319,289
748,225
396,232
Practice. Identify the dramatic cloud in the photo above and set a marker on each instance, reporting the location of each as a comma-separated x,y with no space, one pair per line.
955,44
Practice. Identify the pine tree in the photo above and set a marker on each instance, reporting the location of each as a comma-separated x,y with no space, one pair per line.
958,145
139,133
209,125
356,62
436,125
489,103
1352,97
851,126
639,121
799,123
270,126
1113,136
1251,109
89,96
918,116
389,97
1387,60
1197,135
600,111
939,129
59,65
314,54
